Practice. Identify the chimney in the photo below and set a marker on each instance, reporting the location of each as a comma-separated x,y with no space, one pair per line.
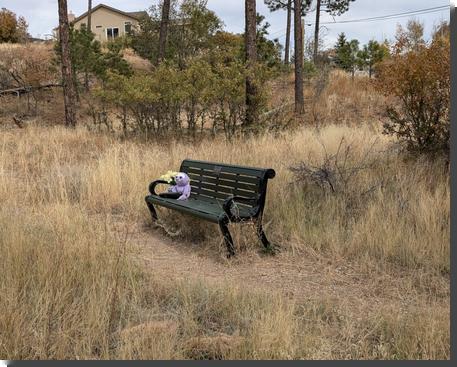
71,16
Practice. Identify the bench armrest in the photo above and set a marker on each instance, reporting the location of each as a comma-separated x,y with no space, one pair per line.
153,184
227,204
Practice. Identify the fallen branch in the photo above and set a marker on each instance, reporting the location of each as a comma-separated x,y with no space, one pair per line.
27,89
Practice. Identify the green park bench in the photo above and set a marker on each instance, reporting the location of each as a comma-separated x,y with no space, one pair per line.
222,194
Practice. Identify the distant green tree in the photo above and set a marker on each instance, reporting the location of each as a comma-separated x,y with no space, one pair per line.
371,54
347,54
113,60
268,51
334,8
340,43
86,54
89,59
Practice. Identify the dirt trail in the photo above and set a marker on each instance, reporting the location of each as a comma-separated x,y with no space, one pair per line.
296,276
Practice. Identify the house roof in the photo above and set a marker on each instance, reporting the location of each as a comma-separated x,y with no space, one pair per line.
133,14
137,14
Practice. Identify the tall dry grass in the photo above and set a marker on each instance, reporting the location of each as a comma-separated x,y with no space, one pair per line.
70,288
332,97
106,176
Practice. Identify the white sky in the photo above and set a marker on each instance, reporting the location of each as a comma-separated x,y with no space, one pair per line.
42,16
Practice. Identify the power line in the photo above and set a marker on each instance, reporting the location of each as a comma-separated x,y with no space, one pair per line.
378,18
393,16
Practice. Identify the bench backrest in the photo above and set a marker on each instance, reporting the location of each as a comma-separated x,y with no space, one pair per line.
211,181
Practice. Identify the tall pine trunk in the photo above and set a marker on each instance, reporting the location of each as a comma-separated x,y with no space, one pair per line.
251,59
89,16
289,21
69,92
316,31
89,28
298,35
163,30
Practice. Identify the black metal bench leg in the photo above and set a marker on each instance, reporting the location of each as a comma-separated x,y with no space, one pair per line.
151,209
228,238
261,233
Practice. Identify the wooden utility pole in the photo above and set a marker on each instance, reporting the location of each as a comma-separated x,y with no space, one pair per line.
69,92
251,59
89,16
163,30
316,31
289,23
298,33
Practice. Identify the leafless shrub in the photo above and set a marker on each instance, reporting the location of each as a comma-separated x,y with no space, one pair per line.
337,171
342,174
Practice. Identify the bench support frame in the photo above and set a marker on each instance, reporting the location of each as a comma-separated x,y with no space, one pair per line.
152,210
261,234
223,225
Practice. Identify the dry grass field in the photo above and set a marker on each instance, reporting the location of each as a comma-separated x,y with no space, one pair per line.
363,271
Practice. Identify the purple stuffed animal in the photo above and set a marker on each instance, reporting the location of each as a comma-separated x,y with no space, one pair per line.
182,186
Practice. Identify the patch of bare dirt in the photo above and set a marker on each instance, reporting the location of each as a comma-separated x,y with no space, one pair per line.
297,276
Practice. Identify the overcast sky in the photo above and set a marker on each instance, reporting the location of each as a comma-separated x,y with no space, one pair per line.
42,16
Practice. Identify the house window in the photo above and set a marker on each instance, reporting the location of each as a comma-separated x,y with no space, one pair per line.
112,33
128,27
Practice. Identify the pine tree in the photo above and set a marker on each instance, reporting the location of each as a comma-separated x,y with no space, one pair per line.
287,5
251,59
299,58
372,54
89,15
347,54
69,91
333,7
163,30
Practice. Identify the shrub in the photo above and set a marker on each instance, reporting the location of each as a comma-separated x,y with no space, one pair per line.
169,99
420,79
12,28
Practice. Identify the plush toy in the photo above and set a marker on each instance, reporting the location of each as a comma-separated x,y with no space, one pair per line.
182,186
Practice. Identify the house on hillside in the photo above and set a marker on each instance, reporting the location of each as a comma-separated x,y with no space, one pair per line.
108,23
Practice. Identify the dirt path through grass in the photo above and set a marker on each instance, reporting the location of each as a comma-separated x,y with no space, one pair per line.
300,277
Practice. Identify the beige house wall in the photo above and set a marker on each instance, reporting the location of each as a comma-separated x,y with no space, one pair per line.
104,18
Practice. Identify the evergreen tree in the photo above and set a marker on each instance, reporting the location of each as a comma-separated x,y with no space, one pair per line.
163,30
69,92
334,8
372,54
250,37
298,59
287,5
347,54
